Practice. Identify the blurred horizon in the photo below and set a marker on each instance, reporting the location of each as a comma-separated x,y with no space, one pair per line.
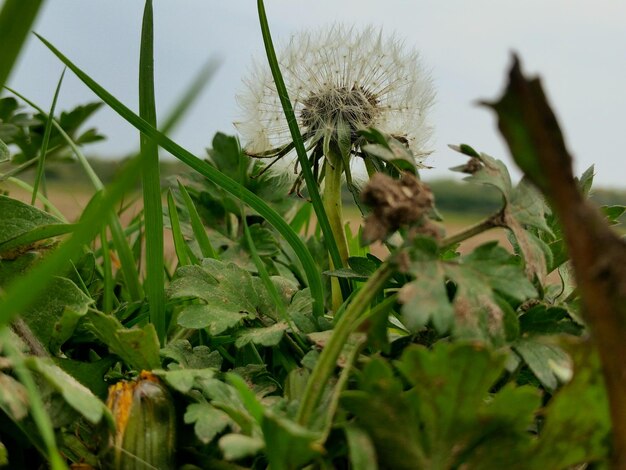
578,49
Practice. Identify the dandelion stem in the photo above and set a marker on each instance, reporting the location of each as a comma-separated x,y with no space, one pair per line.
331,199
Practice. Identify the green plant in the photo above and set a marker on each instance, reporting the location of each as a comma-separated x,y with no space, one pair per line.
275,343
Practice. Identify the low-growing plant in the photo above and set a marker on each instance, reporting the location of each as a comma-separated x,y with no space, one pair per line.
276,339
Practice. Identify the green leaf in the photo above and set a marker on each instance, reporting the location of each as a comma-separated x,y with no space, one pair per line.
550,364
5,153
546,320
229,294
577,421
14,398
17,218
183,380
188,357
90,374
481,277
361,449
246,196
138,347
447,417
54,315
267,336
4,455
287,444
524,208
74,393
207,420
238,446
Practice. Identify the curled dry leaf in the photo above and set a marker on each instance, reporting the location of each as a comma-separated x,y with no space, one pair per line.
394,203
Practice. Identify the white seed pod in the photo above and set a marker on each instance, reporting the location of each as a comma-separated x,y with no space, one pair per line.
338,75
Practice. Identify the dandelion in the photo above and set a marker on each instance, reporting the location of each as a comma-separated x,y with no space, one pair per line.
340,81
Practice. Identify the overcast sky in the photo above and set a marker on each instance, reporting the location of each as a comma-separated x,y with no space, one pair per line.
577,46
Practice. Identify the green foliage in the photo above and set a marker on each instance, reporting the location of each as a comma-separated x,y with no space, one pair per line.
438,356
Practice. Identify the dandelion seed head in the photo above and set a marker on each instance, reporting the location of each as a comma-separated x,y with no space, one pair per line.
338,76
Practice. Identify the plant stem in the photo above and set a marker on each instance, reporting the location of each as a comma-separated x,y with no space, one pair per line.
331,198
490,222
345,326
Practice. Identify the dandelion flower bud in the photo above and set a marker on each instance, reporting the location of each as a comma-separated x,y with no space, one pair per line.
337,78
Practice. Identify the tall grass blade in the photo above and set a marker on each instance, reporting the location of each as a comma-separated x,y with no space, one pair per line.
311,184
214,175
199,231
46,140
151,181
16,19
179,241
107,273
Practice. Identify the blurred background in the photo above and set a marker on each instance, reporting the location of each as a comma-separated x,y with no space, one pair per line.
577,47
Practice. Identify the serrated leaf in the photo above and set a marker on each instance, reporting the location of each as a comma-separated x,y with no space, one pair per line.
183,380
550,364
208,421
476,311
267,336
229,295
188,357
74,393
523,208
544,320
138,347
447,417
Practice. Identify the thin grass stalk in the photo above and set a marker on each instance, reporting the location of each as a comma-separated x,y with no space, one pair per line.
212,174
311,184
107,273
179,241
151,181
346,325
40,175
199,231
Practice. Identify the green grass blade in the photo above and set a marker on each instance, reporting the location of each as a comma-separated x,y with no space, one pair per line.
37,408
179,241
107,273
125,254
24,290
199,231
46,140
311,184
214,175
16,19
151,181
189,96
